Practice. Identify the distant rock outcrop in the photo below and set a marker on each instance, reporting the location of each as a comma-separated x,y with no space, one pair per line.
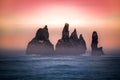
63,45
65,33
67,45
82,43
40,44
74,37
70,45
95,49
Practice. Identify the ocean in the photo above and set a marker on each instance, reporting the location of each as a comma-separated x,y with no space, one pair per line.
60,68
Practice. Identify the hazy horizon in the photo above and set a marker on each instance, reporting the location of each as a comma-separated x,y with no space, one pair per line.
19,21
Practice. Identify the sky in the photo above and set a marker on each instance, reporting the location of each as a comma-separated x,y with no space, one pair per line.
20,19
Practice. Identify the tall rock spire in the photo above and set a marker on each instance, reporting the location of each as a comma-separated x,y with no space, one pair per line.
82,44
94,45
65,32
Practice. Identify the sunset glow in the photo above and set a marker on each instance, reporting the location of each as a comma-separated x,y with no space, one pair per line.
19,20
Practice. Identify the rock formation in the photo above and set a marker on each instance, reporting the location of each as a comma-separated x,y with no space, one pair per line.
74,37
69,45
65,33
75,43
95,49
82,44
40,44
63,45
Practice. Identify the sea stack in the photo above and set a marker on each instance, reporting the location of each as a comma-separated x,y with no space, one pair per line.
64,45
82,43
94,45
40,44
69,45
75,43
74,38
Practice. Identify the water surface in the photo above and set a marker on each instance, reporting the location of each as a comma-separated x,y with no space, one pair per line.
60,68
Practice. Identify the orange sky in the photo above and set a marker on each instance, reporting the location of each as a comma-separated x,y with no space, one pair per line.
19,20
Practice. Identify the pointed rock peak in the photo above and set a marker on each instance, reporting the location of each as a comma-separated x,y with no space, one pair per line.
82,43
74,30
42,34
66,27
65,32
81,37
94,34
74,35
66,24
45,27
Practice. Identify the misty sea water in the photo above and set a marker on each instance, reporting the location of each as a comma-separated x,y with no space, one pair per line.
60,68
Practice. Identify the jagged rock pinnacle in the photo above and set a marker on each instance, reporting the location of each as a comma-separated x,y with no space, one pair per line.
74,35
65,32
82,44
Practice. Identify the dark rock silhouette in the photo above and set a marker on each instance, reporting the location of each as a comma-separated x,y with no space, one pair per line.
40,44
75,43
69,45
82,43
95,49
74,36
65,32
63,45
74,39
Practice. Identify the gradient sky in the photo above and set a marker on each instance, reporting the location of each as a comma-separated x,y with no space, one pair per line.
19,20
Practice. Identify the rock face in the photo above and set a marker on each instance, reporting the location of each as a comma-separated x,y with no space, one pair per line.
67,45
95,49
65,33
82,43
63,45
74,37
40,44
70,45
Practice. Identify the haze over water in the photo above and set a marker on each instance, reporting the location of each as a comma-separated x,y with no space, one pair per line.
19,20
59,68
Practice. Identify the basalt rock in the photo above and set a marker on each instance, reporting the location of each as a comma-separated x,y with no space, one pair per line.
95,49
64,45
82,44
74,36
65,33
78,44
69,45
40,44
